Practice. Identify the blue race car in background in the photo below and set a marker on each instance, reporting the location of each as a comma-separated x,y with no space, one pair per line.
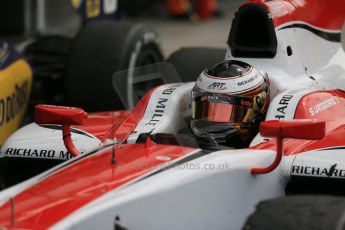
74,47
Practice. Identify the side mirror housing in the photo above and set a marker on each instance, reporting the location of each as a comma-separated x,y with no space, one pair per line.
65,116
297,129
49,114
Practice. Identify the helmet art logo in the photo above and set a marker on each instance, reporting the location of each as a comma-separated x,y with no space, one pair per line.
217,85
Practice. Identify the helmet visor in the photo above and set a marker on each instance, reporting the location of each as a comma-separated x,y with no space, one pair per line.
221,108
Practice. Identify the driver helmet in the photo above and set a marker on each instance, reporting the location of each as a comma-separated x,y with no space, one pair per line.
229,101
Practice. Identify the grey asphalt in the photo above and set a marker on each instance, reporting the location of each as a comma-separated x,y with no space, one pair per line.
179,33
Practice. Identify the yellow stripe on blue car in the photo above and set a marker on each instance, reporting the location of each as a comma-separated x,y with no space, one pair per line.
15,87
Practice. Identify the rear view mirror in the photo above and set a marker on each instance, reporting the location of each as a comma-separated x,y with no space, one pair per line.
49,114
297,129
65,116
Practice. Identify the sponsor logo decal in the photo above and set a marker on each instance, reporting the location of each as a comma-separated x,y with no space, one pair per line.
169,91
160,107
283,104
11,105
213,99
158,113
318,171
241,83
217,85
322,106
36,153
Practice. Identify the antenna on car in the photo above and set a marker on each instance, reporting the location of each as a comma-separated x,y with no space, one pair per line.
113,156
12,210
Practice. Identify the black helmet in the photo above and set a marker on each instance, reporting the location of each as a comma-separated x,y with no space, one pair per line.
229,101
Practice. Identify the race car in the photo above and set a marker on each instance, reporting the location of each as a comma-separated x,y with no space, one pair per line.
135,168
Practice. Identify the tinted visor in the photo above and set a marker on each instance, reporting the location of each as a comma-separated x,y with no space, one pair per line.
220,108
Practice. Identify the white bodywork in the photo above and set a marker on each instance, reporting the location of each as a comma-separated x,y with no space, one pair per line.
185,198
34,141
312,58
167,110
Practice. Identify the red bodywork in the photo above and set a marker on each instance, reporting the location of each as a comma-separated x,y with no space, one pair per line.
327,15
68,190
332,114
49,114
98,124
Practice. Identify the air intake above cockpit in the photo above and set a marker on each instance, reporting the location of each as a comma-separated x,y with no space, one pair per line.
252,33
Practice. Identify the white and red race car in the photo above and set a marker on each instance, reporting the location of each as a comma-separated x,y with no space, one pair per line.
137,171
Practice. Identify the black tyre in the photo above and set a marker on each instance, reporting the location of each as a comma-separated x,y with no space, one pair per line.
99,50
48,57
299,213
191,61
